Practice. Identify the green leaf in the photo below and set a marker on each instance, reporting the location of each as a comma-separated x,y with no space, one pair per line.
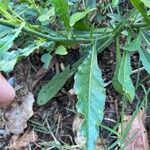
121,80
78,16
90,91
62,10
146,38
145,58
9,59
145,52
46,59
4,11
133,45
91,3
61,50
146,3
7,42
115,3
116,17
47,15
49,90
116,84
81,25
31,2
141,8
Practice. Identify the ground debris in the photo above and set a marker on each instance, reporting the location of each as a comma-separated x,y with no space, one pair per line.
19,114
22,142
79,138
137,137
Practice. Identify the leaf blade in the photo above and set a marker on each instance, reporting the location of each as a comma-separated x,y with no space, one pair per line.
61,50
133,45
78,16
62,9
90,91
49,90
9,43
145,58
146,2
9,59
121,79
141,8
115,3
145,53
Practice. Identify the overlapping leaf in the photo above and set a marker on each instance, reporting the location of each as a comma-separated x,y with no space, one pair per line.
4,7
142,9
50,89
146,2
144,52
91,3
115,2
9,59
90,91
79,15
62,10
46,15
7,36
133,45
145,58
121,80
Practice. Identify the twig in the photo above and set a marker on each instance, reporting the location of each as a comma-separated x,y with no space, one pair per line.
137,70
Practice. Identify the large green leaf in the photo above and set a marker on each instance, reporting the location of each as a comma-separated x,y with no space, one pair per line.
79,15
7,38
90,91
62,10
142,9
50,89
121,80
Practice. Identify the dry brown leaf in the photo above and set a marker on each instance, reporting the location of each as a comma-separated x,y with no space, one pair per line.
79,139
19,114
137,133
22,142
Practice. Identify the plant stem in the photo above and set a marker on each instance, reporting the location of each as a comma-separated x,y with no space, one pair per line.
80,39
45,36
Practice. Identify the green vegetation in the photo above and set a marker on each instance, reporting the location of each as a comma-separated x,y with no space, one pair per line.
57,25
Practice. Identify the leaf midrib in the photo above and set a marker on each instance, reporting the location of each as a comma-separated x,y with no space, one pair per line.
89,89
